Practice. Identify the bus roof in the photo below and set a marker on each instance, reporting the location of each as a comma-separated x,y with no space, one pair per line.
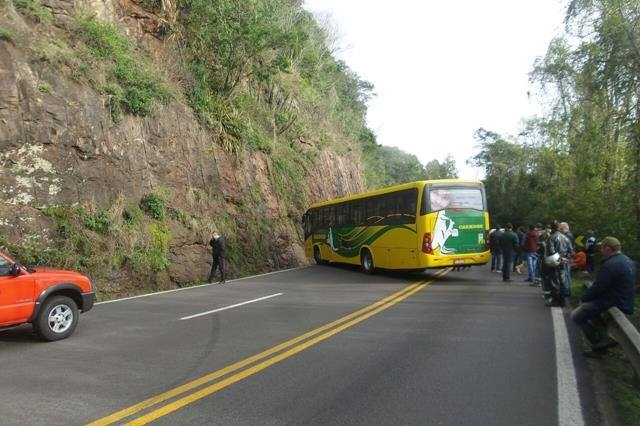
417,184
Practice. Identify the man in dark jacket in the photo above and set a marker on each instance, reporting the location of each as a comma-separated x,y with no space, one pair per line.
217,253
509,246
614,286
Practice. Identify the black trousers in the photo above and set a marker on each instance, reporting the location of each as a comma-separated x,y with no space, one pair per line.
218,263
507,264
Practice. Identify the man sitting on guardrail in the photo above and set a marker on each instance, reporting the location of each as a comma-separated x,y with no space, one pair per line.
614,286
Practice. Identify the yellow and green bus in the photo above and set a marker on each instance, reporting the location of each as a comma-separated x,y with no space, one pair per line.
414,226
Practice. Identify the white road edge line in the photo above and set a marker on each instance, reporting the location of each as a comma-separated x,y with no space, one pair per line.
196,286
230,306
569,408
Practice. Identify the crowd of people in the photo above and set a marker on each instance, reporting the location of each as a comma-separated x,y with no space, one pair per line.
550,253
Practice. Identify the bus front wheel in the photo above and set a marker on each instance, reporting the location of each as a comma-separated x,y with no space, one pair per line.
316,255
367,262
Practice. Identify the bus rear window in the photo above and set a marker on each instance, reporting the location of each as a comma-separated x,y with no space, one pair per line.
455,198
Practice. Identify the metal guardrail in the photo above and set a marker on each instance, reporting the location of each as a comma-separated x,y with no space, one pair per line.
626,335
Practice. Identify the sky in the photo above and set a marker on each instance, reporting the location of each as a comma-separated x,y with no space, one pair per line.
441,70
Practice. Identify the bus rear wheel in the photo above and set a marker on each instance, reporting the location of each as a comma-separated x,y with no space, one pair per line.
366,261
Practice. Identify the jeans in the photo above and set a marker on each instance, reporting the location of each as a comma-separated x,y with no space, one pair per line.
566,282
507,264
531,260
496,261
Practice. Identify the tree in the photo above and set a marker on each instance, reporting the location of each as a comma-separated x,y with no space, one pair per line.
445,170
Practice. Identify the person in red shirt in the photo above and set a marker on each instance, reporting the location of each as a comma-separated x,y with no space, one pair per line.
529,248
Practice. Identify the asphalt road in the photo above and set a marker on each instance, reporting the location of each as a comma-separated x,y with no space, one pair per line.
318,345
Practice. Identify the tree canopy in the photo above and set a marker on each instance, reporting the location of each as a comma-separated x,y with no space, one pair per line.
579,162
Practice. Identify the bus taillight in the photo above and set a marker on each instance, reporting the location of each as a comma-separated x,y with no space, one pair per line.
426,243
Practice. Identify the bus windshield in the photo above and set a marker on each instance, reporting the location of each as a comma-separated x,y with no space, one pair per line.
455,198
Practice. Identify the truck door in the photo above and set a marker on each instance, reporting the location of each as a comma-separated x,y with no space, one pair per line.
16,294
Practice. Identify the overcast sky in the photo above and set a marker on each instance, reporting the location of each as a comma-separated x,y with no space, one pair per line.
443,69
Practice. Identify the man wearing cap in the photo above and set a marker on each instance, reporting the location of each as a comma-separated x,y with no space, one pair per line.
614,286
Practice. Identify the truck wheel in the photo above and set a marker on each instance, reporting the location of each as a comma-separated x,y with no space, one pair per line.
366,261
316,256
57,319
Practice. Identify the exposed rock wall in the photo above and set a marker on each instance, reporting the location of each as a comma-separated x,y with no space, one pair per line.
59,146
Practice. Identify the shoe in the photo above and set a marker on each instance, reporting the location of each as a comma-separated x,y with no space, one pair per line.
603,347
507,281
222,282
529,280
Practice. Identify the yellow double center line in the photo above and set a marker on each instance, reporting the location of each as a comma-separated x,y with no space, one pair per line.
267,358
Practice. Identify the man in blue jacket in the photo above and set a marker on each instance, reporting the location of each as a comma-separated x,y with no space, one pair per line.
614,286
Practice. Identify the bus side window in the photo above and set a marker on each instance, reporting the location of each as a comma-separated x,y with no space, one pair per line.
319,220
356,213
408,204
330,218
339,209
374,211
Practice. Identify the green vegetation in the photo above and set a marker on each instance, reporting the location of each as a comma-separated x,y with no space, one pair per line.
157,252
45,88
263,76
132,85
132,216
153,205
6,35
580,162
33,9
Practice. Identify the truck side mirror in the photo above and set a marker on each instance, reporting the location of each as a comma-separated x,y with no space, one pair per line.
14,270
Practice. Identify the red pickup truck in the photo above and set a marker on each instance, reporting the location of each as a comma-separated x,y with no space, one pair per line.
48,299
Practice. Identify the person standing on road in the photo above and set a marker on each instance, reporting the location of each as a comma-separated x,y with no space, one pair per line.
508,247
563,227
217,253
494,246
614,286
563,245
529,250
551,245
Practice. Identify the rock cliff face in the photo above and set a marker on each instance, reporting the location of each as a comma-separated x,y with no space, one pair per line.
60,147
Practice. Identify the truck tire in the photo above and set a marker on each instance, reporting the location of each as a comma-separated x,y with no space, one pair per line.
57,319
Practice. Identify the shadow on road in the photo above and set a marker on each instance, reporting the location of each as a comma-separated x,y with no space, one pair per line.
19,334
